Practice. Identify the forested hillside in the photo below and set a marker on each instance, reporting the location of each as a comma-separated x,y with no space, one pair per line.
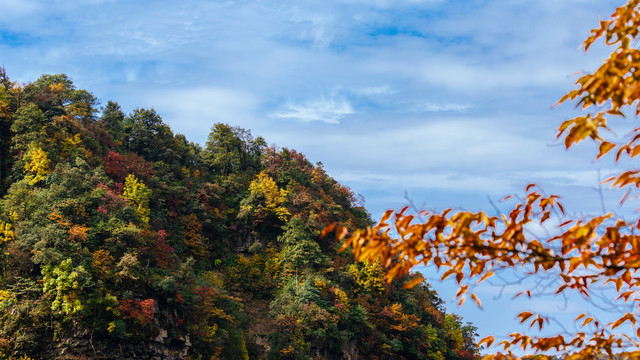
120,239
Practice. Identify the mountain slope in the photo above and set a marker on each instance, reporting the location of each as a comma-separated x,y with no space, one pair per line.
121,239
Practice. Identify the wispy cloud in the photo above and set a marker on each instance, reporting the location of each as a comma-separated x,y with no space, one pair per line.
310,27
390,3
195,110
17,8
330,110
373,90
433,107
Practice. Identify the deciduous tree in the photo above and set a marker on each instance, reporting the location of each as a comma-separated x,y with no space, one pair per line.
36,165
139,195
265,200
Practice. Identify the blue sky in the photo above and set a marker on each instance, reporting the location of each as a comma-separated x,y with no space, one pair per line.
448,102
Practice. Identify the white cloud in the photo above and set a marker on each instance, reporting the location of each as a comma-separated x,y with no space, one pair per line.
322,109
17,8
193,111
433,107
308,24
373,90
468,144
392,3
450,181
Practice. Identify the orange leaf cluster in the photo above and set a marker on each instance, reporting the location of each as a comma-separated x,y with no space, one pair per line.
471,247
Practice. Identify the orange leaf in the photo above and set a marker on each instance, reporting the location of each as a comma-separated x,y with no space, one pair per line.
486,275
476,300
605,147
387,214
327,230
490,339
524,316
341,232
413,282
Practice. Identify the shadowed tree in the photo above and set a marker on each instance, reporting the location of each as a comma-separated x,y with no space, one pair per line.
113,119
6,114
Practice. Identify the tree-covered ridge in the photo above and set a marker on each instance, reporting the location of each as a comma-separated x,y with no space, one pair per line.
120,239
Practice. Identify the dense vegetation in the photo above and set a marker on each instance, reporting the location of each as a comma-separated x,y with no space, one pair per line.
120,239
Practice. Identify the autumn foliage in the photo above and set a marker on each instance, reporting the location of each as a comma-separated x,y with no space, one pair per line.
138,310
585,255
120,239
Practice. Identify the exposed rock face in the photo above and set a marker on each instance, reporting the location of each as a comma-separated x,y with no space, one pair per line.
261,325
79,343
349,351
263,342
83,346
